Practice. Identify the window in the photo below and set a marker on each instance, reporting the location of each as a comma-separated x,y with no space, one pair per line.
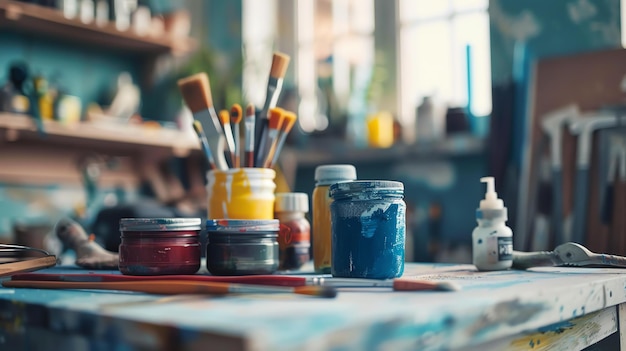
435,39
335,42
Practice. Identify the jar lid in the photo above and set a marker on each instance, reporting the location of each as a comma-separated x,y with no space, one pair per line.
243,225
366,186
296,202
329,174
159,224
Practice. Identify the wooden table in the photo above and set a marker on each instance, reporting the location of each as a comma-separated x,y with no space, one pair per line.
570,308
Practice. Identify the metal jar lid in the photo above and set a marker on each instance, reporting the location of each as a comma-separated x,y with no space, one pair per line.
365,187
159,224
243,225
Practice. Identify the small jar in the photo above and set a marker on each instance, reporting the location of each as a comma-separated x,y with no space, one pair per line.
159,246
368,229
294,239
241,193
242,247
325,175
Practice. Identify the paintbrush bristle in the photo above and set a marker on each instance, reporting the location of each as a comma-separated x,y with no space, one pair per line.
419,285
250,110
197,126
236,114
224,117
289,121
319,291
277,117
280,62
196,91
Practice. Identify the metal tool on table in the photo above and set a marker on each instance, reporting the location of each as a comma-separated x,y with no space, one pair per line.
584,127
552,124
568,254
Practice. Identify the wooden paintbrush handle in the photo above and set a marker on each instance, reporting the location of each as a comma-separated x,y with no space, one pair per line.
7,269
165,287
249,158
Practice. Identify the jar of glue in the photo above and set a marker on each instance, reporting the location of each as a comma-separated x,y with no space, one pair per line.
492,240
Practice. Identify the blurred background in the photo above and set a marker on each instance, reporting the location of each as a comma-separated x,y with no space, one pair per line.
435,94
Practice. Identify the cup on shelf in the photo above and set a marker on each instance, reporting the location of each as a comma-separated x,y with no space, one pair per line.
241,193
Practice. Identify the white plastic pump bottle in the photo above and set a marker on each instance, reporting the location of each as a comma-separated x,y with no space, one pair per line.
492,240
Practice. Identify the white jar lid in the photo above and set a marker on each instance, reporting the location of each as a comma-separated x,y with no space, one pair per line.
330,174
293,202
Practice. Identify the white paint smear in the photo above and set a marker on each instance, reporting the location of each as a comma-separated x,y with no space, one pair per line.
368,226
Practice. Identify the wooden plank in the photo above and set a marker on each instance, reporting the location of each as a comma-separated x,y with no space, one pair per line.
572,335
19,127
39,165
621,313
49,22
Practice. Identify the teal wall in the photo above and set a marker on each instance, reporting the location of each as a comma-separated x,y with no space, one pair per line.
88,72
555,27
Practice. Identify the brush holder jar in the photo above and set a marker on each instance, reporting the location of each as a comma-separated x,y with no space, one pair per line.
242,247
159,246
241,193
368,220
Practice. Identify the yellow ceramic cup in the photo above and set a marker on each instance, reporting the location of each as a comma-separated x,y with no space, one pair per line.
241,193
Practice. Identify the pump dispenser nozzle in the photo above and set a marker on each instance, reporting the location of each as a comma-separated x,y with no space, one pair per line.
491,200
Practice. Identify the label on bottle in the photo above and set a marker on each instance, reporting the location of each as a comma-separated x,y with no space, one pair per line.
505,248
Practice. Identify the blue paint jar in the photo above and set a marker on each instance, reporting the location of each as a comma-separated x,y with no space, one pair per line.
368,229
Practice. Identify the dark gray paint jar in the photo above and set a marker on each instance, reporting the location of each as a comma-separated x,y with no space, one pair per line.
242,247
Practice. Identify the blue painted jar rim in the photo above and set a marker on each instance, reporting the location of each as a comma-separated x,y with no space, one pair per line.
243,225
367,188
159,224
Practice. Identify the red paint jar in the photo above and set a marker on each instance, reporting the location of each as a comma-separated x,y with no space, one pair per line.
294,239
159,246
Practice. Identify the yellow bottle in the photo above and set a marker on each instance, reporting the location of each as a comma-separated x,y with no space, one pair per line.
325,176
380,130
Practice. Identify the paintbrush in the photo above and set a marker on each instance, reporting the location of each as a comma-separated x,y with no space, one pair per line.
277,117
168,287
196,91
288,122
28,265
204,143
236,114
228,133
399,284
280,62
249,143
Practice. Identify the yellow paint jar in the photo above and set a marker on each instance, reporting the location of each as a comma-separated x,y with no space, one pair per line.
325,176
241,193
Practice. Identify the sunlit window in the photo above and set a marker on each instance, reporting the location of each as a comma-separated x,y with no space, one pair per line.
438,41
335,40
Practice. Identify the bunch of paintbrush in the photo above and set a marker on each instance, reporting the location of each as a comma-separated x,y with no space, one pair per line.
219,134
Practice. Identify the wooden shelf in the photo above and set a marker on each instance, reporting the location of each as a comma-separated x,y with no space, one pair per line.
29,18
127,139
318,153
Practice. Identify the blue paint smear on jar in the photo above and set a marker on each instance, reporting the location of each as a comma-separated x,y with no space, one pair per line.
368,229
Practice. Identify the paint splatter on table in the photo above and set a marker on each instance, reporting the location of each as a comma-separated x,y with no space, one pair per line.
505,309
